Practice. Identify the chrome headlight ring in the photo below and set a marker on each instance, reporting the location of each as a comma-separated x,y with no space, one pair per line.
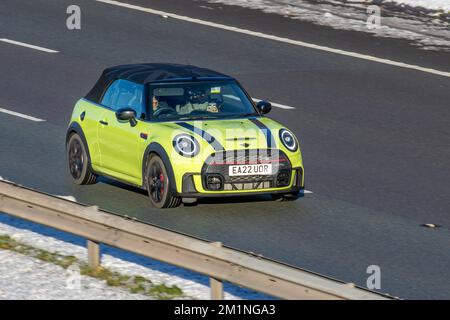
186,145
288,140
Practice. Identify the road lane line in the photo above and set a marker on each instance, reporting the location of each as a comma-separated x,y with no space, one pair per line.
21,115
274,104
69,198
279,39
30,46
3,179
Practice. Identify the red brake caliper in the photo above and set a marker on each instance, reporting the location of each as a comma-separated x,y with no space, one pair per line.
161,179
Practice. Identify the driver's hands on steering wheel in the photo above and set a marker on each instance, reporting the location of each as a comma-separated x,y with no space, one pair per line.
163,110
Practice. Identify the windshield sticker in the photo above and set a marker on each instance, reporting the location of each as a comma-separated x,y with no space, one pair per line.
215,90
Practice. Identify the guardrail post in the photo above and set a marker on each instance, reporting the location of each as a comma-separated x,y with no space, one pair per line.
215,284
93,254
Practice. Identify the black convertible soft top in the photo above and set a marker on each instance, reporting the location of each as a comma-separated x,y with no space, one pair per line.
150,72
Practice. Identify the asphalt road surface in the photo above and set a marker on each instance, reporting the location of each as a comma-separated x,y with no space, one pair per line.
375,137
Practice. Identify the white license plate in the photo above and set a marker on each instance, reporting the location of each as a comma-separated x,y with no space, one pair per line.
250,169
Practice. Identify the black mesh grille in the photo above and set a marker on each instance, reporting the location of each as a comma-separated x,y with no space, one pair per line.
217,165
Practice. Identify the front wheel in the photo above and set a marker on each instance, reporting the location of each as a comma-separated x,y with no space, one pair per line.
287,196
293,195
78,161
159,184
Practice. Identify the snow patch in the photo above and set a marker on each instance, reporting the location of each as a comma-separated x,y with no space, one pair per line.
23,277
427,4
192,284
429,34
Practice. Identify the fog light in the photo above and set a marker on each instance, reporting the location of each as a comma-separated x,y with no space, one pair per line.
283,179
214,182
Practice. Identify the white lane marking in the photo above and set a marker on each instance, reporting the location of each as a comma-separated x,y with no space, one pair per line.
279,39
26,45
274,104
307,191
21,115
70,198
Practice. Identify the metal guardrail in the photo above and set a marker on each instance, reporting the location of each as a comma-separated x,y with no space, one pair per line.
211,259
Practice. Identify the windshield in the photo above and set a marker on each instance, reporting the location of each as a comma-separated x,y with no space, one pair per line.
199,100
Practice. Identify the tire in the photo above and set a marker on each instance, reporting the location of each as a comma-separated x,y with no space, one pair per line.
159,184
292,196
276,197
286,196
79,162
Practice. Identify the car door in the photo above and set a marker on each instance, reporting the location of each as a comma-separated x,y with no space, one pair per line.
119,140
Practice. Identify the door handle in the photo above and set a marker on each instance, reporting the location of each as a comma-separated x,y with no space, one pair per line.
103,122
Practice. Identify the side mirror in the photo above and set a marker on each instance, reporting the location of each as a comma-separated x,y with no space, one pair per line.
127,114
264,106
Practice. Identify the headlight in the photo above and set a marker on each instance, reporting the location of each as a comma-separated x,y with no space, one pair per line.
288,140
186,145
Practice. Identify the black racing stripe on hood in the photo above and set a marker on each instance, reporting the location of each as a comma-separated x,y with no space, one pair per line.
205,135
269,136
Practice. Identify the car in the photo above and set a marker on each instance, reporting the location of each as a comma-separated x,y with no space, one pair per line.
181,132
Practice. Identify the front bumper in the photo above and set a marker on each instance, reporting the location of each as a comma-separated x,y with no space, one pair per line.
191,188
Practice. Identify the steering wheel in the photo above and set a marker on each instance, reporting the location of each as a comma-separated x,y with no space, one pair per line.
199,112
163,110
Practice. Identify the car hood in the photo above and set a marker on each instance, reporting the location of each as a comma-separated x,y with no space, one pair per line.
232,134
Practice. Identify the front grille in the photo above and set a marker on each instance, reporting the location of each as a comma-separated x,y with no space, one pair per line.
215,172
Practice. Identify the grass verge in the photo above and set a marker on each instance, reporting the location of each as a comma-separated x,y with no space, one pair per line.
134,284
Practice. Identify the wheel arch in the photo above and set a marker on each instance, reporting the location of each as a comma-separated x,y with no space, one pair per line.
159,150
74,127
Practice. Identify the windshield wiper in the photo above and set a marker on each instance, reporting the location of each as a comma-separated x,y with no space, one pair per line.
245,115
217,117
198,118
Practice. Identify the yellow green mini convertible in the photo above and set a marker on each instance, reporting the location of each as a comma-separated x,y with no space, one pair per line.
181,132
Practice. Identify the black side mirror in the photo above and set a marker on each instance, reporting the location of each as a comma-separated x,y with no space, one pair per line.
127,114
264,106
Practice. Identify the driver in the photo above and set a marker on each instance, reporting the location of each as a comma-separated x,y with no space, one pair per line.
156,104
